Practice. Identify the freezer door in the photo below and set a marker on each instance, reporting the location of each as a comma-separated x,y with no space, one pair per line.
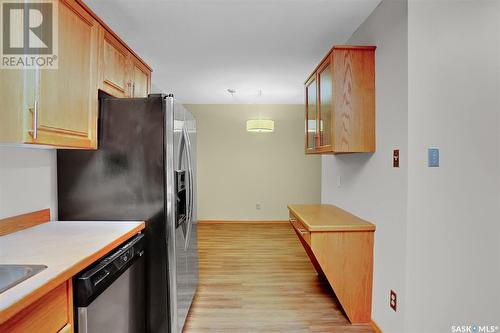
192,248
185,231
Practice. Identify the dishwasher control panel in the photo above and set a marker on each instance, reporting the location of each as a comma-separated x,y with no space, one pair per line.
91,282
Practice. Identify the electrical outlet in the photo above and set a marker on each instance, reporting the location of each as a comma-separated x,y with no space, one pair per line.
258,206
395,158
393,300
339,181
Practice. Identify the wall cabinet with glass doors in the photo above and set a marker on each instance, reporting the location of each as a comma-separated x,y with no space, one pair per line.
340,102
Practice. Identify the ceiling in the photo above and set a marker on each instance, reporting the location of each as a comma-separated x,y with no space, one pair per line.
263,49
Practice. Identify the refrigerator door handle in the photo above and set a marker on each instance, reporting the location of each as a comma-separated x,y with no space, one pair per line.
190,205
182,148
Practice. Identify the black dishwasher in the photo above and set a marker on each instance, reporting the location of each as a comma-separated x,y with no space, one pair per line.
109,294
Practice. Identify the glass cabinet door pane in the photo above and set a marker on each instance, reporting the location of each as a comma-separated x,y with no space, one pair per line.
311,114
325,95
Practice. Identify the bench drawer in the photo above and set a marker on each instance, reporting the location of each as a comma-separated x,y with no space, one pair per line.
300,229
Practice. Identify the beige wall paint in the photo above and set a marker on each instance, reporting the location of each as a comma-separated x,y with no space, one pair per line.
28,181
437,228
453,228
237,169
370,187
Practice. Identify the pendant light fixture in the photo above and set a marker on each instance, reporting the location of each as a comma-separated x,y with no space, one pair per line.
260,125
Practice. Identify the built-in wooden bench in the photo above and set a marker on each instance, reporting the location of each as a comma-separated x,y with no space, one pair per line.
340,246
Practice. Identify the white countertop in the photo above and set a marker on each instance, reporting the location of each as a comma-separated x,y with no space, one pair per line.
62,246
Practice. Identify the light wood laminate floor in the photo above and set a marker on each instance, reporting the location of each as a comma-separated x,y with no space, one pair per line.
257,278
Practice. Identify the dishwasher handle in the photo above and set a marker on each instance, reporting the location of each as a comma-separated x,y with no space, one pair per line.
91,282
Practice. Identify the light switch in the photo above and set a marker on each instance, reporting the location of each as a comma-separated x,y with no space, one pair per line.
433,157
395,158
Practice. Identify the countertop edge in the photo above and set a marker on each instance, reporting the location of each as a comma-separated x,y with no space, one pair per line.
36,294
370,227
341,229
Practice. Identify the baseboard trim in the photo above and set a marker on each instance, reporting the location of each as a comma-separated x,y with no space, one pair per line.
375,326
242,221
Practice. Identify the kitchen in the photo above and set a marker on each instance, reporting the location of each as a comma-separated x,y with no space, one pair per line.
292,182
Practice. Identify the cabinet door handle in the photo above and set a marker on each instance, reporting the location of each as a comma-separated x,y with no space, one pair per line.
133,89
34,110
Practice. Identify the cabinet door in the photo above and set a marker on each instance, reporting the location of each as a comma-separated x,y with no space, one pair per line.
140,79
311,113
49,314
114,66
17,93
325,104
67,113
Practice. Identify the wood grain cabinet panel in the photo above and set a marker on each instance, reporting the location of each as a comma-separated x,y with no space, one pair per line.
59,107
340,247
122,73
56,107
114,70
17,96
67,114
340,102
140,80
346,258
325,95
52,313
311,114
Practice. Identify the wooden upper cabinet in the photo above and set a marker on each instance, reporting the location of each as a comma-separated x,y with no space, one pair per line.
141,77
325,95
17,96
122,73
67,97
59,107
340,102
114,66
56,107
311,114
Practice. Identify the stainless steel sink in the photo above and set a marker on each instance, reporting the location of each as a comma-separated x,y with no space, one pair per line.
11,275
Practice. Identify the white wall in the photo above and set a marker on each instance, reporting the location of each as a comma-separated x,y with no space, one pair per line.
453,211
370,187
28,181
237,169
438,229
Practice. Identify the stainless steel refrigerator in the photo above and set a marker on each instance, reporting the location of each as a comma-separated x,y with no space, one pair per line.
144,169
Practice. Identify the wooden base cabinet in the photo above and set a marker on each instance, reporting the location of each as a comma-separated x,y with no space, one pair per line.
342,252
52,313
346,259
340,102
